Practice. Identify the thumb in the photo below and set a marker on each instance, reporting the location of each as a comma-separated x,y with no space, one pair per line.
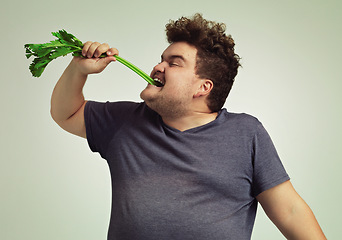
100,64
106,60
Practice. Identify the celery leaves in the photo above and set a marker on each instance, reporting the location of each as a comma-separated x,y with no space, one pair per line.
64,44
44,53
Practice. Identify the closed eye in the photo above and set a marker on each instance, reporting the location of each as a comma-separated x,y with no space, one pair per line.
170,64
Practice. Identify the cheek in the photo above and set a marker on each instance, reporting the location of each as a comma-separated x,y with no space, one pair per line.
179,81
182,90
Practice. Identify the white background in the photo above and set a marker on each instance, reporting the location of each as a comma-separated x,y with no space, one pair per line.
51,185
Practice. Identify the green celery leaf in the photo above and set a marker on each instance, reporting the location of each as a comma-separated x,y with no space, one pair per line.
77,54
42,52
60,52
41,63
38,65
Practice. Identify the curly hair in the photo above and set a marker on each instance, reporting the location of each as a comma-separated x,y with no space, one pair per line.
215,60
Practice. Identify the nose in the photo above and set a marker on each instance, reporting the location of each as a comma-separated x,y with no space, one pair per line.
160,67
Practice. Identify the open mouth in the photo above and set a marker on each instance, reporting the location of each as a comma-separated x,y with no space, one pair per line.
158,82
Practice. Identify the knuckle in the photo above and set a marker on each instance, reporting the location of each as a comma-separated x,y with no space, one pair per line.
114,51
103,47
87,45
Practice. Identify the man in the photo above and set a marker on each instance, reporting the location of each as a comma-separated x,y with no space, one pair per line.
181,166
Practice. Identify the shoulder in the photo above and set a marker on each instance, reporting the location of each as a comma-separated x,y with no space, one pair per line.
240,120
236,126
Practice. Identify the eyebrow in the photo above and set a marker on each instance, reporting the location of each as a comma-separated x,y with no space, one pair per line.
173,57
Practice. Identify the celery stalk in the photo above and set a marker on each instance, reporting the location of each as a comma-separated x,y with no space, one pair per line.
135,69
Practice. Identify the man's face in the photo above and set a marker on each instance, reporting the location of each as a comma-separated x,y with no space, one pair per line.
177,73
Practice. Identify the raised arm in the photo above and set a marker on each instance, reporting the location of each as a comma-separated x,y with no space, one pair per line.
67,100
289,212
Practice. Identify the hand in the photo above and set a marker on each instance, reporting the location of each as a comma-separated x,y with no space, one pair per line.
91,63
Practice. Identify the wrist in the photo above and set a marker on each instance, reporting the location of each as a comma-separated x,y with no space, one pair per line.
76,70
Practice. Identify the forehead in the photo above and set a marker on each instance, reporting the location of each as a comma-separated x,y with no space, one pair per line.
183,49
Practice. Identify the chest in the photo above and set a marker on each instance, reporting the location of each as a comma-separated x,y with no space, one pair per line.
218,164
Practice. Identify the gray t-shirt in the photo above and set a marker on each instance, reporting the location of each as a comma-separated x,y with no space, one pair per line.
198,184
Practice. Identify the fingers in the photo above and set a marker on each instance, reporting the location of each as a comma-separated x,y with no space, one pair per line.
112,51
85,49
96,49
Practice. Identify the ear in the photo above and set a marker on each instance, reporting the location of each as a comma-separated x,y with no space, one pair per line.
205,88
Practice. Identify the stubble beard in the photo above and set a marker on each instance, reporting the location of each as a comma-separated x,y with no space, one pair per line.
166,107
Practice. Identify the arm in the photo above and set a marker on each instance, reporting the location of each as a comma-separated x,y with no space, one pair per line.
288,211
67,100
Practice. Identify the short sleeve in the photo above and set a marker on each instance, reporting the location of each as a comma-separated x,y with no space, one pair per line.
103,120
268,169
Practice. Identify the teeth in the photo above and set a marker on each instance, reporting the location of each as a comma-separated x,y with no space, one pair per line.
159,83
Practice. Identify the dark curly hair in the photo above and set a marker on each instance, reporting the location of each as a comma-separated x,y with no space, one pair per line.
216,59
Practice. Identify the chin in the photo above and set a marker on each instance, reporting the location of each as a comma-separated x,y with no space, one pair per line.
148,93
143,94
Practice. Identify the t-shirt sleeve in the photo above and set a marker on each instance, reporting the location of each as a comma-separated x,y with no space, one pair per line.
102,121
268,168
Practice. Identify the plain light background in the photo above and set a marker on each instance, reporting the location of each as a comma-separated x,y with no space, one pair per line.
53,187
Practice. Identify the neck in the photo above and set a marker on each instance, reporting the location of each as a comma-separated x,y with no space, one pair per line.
193,120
